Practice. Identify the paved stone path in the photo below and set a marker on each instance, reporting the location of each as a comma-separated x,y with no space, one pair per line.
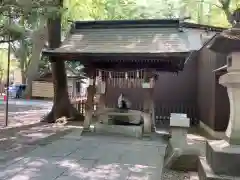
22,112
90,157
15,142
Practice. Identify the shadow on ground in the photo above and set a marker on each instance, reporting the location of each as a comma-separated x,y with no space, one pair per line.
90,157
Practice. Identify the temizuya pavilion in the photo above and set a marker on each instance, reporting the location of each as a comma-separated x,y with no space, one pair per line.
128,45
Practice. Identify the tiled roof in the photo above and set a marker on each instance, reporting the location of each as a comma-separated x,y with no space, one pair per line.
131,40
132,36
162,44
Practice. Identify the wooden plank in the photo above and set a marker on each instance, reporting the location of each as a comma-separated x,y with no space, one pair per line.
42,89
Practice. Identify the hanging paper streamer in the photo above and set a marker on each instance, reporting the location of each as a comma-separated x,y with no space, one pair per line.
152,83
109,78
100,74
125,79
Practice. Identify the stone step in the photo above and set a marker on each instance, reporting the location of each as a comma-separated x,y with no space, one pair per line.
223,157
205,172
131,131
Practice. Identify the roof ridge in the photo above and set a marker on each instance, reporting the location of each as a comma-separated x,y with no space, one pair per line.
127,23
141,23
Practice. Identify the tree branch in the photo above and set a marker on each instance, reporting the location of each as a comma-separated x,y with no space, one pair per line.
226,9
7,41
14,49
220,7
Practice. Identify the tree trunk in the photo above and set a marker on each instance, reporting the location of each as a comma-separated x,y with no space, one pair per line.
23,77
62,106
23,59
23,55
39,38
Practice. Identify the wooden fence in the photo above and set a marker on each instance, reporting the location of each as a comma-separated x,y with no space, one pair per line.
162,111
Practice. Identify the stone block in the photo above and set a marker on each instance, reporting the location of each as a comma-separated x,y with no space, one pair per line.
223,157
179,120
129,116
178,115
132,131
206,173
178,137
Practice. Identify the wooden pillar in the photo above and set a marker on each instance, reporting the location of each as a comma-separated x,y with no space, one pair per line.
147,103
152,108
102,104
102,101
91,90
102,93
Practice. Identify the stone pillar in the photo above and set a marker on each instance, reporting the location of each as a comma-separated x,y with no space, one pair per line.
179,124
231,80
90,102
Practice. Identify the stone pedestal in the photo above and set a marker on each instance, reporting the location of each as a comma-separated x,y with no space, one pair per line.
222,161
223,157
180,155
179,124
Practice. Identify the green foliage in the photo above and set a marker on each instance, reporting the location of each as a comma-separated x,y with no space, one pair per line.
29,12
3,63
44,64
201,11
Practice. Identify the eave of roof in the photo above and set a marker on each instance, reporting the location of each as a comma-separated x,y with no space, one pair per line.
227,41
147,23
203,27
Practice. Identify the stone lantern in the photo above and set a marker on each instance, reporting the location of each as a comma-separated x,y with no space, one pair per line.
228,42
223,156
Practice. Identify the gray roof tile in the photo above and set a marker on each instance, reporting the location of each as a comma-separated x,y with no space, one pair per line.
131,40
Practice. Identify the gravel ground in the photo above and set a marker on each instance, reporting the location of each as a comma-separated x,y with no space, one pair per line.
197,141
22,114
174,175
